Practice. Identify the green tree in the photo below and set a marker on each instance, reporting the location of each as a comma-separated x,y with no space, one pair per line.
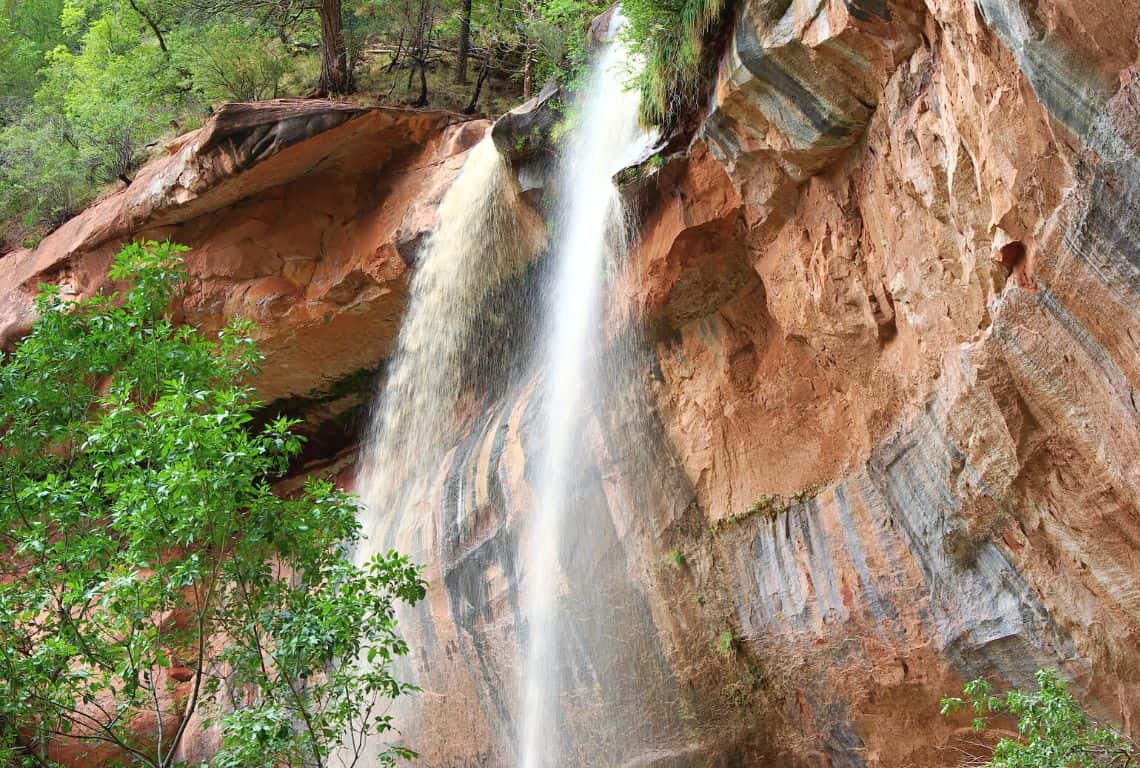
148,570
1053,730
115,87
336,72
235,60
21,55
42,175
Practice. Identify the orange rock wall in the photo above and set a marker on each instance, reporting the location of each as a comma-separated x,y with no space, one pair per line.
937,340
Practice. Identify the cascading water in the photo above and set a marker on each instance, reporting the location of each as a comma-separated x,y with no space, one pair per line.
589,234
468,296
485,233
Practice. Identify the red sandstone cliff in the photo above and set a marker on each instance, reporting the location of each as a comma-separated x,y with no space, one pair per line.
893,294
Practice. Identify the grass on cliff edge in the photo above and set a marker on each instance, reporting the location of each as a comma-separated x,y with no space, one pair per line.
671,36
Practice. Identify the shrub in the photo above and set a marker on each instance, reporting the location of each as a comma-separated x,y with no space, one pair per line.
42,178
670,35
1053,730
235,61
98,106
558,33
146,556
117,92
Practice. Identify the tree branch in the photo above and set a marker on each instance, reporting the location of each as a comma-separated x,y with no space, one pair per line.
153,26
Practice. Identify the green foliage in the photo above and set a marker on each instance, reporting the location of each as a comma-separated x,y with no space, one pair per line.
89,88
677,559
236,60
558,29
27,31
1053,730
117,90
726,642
42,178
670,35
102,89
144,546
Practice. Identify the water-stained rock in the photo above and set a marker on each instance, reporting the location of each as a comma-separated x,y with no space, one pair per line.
801,79
525,131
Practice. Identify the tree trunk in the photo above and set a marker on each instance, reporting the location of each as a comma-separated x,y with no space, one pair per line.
423,99
399,51
335,74
528,72
464,44
473,105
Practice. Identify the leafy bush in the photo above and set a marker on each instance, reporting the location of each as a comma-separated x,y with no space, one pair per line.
1053,730
19,60
146,556
235,61
97,102
118,92
27,31
42,178
558,31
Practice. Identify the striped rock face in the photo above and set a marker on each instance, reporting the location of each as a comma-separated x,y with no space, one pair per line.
887,412
801,79
907,400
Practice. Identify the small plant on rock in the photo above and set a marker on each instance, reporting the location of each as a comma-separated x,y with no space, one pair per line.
727,642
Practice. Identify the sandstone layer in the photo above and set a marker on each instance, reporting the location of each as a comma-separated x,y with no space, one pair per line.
303,216
888,418
936,341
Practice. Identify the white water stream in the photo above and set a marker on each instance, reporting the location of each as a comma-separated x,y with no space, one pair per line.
486,234
589,234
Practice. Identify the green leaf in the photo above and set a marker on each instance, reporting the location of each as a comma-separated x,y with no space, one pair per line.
148,537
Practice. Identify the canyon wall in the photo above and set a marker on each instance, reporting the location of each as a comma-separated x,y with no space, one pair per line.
911,414
882,428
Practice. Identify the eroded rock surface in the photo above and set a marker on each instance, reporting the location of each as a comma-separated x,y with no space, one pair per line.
938,346
890,416
303,216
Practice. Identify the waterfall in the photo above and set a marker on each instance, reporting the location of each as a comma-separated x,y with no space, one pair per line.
453,342
589,230
484,234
